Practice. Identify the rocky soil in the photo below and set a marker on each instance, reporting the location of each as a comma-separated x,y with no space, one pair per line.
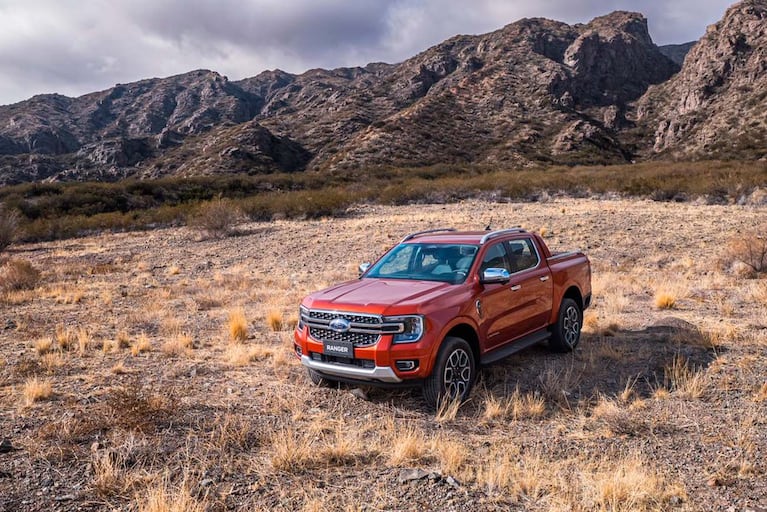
154,401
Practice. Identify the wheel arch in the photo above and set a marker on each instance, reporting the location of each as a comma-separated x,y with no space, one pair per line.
467,332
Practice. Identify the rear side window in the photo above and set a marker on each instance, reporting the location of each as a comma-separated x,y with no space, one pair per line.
522,255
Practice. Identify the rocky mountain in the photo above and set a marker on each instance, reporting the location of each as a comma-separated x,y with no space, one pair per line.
716,107
535,91
677,52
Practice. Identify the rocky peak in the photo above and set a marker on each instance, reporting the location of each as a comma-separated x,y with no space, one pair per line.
715,105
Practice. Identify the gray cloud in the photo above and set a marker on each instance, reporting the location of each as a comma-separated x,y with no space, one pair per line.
78,47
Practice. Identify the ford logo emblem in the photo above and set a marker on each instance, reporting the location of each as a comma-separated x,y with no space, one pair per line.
340,325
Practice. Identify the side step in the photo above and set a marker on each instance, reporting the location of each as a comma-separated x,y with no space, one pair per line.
515,346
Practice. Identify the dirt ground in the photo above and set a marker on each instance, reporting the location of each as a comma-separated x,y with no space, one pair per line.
153,371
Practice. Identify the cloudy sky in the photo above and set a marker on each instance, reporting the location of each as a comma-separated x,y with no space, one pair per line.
77,46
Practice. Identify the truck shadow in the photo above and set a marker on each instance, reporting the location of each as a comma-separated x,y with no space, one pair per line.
665,356
623,363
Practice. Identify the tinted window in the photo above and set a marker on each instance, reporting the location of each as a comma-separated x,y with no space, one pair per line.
522,255
495,257
428,262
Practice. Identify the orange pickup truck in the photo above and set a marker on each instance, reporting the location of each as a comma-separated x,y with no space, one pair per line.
439,305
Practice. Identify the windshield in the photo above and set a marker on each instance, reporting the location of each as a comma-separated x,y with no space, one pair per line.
448,263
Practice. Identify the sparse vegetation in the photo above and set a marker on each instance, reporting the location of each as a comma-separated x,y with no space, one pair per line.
238,326
750,249
235,424
217,218
17,275
36,390
665,300
9,225
62,210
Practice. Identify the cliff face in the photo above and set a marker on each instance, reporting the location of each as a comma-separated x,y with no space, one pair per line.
535,91
716,107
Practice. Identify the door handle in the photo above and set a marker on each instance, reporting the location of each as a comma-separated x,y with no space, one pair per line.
544,278
516,287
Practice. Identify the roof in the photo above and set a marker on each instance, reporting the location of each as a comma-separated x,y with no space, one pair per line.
451,236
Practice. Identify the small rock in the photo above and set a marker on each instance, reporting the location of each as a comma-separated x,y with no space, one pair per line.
96,446
65,497
193,373
435,476
10,324
207,482
359,393
6,446
408,475
452,482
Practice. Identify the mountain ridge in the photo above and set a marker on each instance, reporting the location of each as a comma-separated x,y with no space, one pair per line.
535,91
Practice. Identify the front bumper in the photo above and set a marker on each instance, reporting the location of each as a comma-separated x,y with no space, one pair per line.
378,373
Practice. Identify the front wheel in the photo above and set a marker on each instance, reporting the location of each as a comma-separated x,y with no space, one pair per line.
453,374
566,333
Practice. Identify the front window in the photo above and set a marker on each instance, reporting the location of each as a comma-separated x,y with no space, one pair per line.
449,263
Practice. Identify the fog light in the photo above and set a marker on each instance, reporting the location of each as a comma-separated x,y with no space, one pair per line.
407,365
298,350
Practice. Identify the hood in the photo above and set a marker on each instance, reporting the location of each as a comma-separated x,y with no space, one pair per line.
378,296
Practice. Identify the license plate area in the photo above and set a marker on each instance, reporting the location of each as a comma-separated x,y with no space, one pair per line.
338,349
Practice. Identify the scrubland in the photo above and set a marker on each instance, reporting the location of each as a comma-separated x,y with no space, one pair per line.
153,371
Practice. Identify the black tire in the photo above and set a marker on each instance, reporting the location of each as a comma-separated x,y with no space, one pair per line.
453,375
319,380
566,333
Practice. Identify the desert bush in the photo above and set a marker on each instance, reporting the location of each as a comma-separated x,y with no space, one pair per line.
9,225
217,218
17,275
750,249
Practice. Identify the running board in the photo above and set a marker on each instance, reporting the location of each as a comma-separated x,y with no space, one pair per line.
514,347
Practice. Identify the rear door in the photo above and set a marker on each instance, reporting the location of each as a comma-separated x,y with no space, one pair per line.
531,287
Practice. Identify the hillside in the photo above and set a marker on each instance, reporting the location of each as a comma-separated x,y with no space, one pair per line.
534,92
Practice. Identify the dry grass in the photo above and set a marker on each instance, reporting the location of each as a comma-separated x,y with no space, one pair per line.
36,390
66,338
237,326
43,345
749,249
761,395
407,446
9,225
179,345
665,300
684,381
17,275
140,345
166,497
274,319
242,355
448,410
217,218
291,451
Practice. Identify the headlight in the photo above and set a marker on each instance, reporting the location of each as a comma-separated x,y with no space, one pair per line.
303,313
410,328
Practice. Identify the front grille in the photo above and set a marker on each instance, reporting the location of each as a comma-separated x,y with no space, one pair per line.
364,330
352,317
359,339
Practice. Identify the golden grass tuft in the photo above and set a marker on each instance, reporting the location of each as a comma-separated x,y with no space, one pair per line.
291,451
665,300
84,340
761,395
685,381
237,325
36,390
165,497
274,319
451,455
242,355
140,345
408,445
43,345
122,340
66,338
179,345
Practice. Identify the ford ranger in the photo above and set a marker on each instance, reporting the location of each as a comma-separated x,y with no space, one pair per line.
439,305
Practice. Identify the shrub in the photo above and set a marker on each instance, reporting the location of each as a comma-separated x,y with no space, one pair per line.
9,225
217,218
750,250
17,275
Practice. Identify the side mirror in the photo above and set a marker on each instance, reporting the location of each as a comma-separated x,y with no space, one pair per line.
363,268
495,276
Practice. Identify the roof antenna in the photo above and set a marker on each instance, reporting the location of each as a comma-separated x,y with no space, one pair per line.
487,228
